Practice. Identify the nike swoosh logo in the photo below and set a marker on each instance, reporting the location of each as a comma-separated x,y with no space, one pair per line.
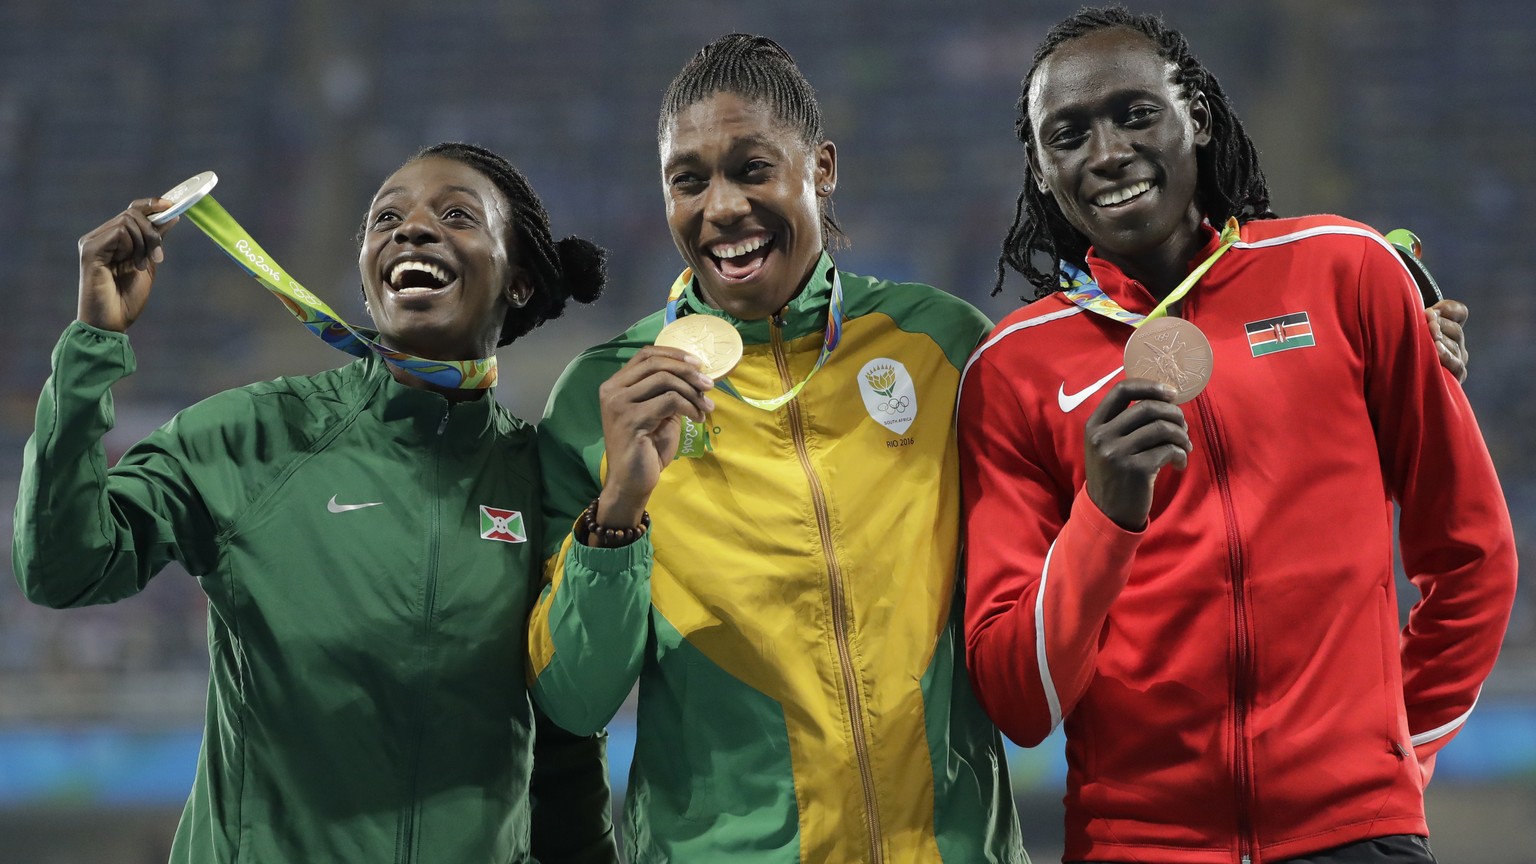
1070,401
332,506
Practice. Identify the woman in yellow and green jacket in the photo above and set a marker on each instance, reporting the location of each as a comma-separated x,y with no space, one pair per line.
796,639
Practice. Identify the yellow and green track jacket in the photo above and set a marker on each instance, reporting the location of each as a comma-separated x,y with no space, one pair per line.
802,689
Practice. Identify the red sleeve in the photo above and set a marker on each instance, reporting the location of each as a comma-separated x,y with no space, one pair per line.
1042,568
1457,543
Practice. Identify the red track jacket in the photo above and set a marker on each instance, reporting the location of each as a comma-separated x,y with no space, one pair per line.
1231,678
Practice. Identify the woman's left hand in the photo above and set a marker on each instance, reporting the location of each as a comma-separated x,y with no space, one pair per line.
1447,323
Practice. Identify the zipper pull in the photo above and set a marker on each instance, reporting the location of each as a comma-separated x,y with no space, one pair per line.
443,425
778,319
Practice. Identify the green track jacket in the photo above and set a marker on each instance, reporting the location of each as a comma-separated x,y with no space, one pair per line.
367,564
797,642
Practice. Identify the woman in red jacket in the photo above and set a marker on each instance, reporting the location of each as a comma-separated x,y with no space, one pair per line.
1220,640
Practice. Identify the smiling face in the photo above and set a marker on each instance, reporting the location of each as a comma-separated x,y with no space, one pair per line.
437,261
1115,144
742,191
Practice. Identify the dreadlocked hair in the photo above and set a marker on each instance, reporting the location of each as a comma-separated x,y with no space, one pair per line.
572,268
1229,181
757,69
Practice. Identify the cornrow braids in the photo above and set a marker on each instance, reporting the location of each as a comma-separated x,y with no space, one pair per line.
757,69
1229,181
572,268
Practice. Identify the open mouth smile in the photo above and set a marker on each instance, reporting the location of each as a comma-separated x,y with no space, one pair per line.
741,259
418,276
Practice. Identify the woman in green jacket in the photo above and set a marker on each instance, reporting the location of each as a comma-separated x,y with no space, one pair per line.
359,534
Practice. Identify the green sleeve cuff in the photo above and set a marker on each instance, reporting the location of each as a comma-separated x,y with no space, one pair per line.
634,558
104,346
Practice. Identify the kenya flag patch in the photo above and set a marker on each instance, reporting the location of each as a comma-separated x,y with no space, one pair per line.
1280,334
503,525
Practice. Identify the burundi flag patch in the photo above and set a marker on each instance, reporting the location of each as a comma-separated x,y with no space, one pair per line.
1280,334
503,525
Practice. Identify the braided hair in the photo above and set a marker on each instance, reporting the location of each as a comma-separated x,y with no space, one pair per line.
570,268
1230,182
759,70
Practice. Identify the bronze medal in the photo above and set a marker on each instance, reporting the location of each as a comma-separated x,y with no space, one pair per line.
1170,351
706,337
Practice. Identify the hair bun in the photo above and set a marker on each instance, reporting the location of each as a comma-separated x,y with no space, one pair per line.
583,268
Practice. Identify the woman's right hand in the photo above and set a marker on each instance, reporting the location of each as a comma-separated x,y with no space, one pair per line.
117,265
640,405
1132,435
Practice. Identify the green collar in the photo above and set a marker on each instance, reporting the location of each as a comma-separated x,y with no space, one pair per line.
430,414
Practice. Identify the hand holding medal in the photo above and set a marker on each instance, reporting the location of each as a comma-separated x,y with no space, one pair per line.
119,258
1138,428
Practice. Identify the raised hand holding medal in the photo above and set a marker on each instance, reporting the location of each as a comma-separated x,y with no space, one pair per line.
118,263
1138,428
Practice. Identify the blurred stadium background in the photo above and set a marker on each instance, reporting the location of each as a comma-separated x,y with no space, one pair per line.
1416,113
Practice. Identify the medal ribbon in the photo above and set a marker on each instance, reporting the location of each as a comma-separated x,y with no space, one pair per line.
830,337
321,320
1081,288
695,439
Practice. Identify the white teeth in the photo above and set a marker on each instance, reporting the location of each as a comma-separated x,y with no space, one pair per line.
1116,196
427,267
739,249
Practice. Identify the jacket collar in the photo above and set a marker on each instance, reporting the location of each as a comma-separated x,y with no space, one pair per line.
427,414
806,312
1132,295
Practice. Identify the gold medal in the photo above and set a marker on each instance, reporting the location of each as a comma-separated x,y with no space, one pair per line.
1170,351
706,337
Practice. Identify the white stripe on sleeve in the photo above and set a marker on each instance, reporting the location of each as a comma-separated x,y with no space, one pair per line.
1052,701
1439,732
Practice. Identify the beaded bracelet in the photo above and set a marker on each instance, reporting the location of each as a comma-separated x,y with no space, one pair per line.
609,538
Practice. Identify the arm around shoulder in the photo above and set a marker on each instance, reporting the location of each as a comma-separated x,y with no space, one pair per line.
572,804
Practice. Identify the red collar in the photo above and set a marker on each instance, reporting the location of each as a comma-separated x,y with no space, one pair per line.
1132,295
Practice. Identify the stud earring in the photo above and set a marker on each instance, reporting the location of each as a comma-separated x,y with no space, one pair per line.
826,188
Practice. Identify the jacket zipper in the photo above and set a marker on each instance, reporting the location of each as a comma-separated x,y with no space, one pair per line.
1242,672
839,602
406,851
